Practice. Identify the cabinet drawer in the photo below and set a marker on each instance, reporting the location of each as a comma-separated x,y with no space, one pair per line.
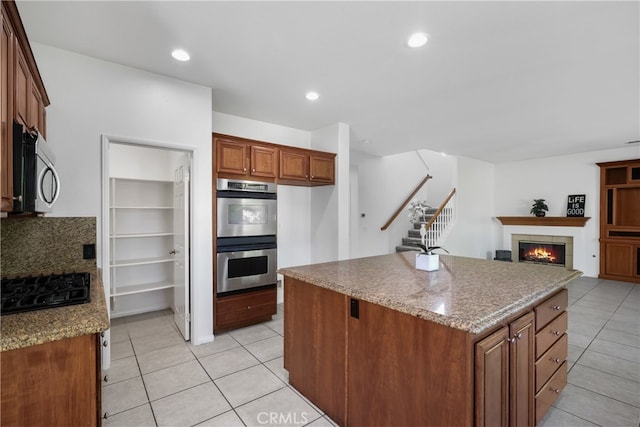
242,301
550,361
245,309
549,309
550,391
550,334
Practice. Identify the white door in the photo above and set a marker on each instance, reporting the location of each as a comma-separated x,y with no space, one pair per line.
181,246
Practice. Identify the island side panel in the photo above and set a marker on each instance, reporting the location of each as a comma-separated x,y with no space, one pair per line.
403,370
315,345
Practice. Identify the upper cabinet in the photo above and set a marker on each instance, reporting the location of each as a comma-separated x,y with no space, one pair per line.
306,167
248,159
23,94
237,157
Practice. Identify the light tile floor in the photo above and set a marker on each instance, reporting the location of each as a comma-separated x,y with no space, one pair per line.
158,379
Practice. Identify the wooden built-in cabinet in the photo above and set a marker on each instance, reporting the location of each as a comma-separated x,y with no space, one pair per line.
23,94
252,160
365,364
620,221
53,384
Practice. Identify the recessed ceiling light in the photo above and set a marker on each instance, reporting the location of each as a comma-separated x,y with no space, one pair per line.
417,40
180,55
312,96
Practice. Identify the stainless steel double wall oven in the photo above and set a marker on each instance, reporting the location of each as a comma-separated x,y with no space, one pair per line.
246,235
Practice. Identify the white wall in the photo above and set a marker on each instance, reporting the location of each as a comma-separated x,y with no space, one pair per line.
294,203
90,97
330,204
474,232
553,179
384,183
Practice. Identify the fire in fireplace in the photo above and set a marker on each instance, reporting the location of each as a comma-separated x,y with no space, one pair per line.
542,253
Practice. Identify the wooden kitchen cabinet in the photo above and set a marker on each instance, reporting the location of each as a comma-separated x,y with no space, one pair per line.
53,384
309,369
365,364
24,98
238,157
619,220
306,167
504,370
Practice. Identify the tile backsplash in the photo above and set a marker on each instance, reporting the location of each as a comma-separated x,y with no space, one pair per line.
45,244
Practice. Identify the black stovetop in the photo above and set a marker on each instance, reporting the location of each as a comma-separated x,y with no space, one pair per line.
35,293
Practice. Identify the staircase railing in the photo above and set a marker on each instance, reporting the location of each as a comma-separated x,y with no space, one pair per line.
405,203
439,226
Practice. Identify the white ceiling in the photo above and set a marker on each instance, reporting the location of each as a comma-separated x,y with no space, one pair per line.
498,81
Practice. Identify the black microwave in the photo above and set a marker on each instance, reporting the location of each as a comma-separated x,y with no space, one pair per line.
36,185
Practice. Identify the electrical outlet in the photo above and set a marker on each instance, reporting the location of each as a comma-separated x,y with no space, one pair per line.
89,251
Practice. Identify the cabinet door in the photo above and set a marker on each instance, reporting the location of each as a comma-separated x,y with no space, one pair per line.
6,112
406,371
322,169
315,345
263,161
231,157
22,86
618,259
492,379
294,165
52,384
521,372
34,106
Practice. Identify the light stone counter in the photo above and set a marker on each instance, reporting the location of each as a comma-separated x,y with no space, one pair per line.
38,327
468,294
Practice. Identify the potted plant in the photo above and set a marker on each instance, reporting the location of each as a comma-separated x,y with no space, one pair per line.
539,207
418,211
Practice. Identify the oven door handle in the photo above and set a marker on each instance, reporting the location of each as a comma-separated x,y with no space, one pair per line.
244,248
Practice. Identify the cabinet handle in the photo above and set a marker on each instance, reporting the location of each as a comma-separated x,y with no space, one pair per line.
105,343
313,176
173,252
106,378
557,360
511,340
518,335
18,198
556,307
244,169
248,307
306,176
556,333
556,390
106,415
253,170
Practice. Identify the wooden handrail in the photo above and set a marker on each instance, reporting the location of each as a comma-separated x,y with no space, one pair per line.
407,200
435,215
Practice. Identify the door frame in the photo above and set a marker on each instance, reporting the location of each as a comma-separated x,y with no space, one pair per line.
106,140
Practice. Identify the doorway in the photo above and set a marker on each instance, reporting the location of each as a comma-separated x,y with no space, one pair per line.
146,230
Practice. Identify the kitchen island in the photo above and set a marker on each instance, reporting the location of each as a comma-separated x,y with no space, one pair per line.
51,363
373,341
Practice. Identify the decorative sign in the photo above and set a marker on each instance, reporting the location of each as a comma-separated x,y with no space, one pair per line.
575,205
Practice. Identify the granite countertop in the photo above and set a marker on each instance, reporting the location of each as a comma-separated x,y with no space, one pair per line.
38,327
468,294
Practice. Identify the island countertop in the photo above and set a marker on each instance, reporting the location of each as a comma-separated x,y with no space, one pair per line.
468,294
41,326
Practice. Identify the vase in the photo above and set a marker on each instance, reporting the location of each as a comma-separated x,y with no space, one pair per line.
540,214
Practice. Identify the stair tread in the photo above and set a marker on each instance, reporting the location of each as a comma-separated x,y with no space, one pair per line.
403,248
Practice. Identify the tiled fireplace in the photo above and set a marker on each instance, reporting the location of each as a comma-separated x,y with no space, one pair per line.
543,249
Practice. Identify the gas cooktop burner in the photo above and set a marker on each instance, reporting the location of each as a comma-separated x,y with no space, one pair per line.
35,293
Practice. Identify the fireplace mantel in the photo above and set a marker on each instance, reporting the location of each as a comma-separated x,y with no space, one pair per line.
547,221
